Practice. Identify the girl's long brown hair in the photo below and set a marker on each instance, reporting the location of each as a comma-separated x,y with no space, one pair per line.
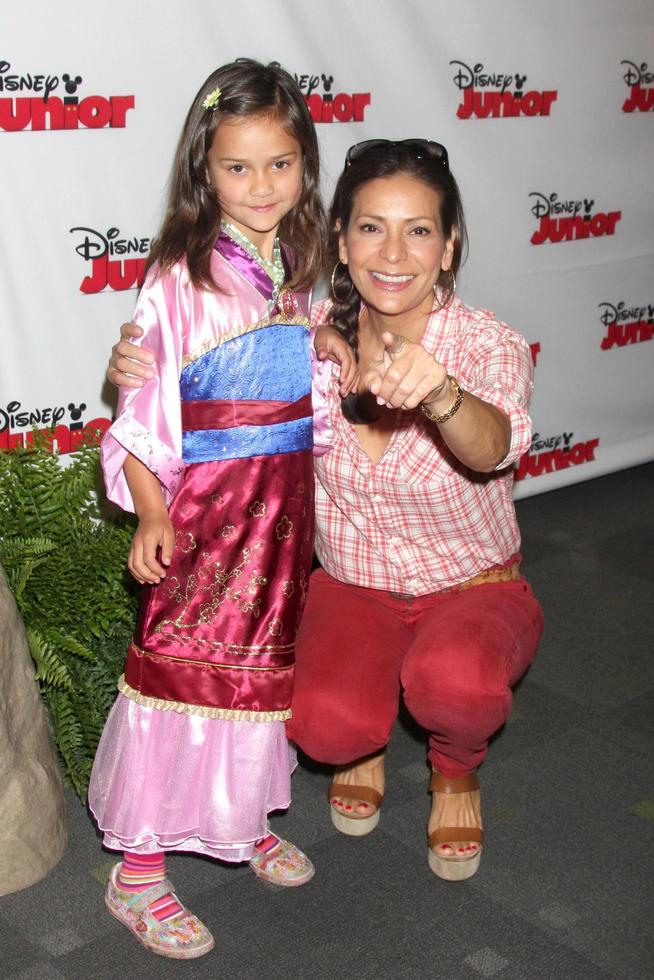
192,221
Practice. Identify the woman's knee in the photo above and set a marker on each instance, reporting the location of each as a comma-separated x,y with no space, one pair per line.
452,692
327,728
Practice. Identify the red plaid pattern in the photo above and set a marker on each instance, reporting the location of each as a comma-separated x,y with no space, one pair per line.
418,522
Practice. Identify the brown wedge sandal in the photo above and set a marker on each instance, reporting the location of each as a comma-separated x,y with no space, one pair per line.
457,867
354,824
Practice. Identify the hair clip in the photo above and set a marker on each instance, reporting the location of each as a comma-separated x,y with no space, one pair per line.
211,101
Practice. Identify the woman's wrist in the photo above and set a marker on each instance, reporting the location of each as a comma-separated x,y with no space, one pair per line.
446,404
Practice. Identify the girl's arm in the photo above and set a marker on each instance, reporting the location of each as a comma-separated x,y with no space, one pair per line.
155,529
148,416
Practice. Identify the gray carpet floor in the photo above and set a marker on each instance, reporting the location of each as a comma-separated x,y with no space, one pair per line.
565,889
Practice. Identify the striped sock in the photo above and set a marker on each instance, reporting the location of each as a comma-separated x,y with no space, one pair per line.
141,871
267,843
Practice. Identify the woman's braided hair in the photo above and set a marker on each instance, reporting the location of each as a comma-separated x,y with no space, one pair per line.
386,160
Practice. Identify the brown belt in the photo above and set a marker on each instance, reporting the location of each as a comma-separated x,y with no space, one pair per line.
510,574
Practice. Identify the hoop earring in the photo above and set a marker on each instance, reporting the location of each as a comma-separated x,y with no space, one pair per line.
452,288
340,299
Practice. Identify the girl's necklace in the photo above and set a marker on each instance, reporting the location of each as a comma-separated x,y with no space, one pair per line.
274,269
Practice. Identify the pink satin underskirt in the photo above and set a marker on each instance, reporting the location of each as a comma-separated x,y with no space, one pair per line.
163,780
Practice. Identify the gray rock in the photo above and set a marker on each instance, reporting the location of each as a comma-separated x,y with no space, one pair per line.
33,824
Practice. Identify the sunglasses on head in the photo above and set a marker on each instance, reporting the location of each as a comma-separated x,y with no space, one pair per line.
421,149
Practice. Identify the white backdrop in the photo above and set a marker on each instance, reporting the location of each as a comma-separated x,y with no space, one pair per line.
559,145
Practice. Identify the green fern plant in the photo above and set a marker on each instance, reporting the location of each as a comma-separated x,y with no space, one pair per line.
65,561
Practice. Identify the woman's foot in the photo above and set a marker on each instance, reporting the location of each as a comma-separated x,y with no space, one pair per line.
281,863
356,794
455,827
181,937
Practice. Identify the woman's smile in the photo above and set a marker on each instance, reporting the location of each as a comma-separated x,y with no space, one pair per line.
391,281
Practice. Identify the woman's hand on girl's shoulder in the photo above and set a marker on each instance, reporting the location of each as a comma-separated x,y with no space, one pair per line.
330,345
155,531
129,365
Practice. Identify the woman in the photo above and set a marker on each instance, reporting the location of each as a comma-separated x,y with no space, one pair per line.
420,587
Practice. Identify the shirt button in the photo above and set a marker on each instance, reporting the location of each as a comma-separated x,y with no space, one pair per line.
377,498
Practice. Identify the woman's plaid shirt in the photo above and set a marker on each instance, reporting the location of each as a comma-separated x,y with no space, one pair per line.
418,521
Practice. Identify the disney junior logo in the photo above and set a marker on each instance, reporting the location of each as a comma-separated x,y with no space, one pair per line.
548,454
626,324
638,77
331,106
40,109
489,95
18,426
117,263
567,221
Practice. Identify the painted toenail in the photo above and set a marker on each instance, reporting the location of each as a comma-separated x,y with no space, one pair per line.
347,806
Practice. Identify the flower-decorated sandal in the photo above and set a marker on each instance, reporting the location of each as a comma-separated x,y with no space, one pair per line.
182,937
281,863
460,847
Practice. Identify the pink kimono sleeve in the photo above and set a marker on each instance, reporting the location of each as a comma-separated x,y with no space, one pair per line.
322,373
148,419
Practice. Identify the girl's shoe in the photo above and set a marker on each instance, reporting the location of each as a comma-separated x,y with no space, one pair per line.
182,937
356,795
282,864
464,843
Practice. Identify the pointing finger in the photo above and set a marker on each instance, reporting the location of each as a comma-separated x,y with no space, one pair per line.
393,342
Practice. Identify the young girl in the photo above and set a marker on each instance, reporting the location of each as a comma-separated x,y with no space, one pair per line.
194,754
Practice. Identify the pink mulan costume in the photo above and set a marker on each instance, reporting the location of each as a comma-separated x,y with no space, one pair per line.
194,753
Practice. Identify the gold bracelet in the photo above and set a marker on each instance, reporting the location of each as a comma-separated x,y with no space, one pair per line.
454,408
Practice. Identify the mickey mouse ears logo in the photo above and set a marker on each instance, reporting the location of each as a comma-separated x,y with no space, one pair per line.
71,84
76,413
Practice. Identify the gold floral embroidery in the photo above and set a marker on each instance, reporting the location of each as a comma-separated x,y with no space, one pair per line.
258,509
275,627
171,588
185,541
304,586
228,531
216,498
288,588
284,529
218,584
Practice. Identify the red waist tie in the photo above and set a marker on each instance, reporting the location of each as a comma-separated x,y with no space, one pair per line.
231,413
